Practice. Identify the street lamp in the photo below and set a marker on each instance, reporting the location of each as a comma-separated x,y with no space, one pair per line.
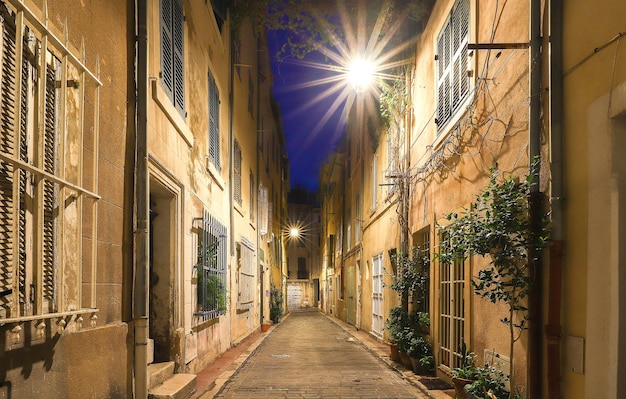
360,73
294,232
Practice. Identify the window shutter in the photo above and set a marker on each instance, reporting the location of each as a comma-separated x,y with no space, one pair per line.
214,124
23,178
237,173
50,193
453,82
178,56
167,69
7,143
463,17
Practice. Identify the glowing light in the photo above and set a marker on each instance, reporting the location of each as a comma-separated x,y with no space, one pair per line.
361,73
294,232
359,65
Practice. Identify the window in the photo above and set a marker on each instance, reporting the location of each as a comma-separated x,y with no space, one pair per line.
378,309
452,64
172,60
252,187
246,266
374,180
357,218
451,313
348,230
214,124
302,272
422,251
237,173
220,10
42,213
211,294
265,211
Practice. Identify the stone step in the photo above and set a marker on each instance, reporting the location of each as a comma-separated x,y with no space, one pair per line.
179,386
158,373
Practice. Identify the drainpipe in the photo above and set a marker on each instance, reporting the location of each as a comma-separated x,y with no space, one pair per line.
535,363
231,105
259,132
553,329
141,265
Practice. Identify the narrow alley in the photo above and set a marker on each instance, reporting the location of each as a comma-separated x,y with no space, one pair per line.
310,356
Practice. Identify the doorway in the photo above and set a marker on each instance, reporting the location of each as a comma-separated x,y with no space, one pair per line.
162,270
351,294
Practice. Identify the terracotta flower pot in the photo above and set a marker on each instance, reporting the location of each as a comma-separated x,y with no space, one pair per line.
265,327
405,359
417,367
393,353
459,387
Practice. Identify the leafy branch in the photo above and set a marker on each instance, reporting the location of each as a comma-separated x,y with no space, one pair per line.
498,225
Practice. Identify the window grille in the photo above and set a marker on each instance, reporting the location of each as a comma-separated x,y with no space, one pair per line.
172,52
247,267
210,269
452,62
43,173
214,123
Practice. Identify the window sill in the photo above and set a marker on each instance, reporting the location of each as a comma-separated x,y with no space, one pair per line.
452,124
238,208
205,325
46,316
215,175
159,96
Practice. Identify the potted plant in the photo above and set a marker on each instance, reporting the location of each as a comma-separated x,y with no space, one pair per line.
464,375
420,352
498,226
276,304
400,334
488,383
478,381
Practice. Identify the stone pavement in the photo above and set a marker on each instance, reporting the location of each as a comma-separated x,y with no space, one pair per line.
310,355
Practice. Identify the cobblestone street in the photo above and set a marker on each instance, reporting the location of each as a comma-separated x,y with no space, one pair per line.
309,356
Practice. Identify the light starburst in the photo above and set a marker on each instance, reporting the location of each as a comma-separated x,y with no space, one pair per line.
355,69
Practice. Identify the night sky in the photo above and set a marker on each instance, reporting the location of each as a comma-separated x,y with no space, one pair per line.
309,136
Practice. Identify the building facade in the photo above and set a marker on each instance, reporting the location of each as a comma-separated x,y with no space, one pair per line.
144,179
486,92
303,240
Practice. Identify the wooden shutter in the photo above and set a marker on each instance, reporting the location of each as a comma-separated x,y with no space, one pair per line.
25,199
443,97
7,145
167,49
214,123
178,58
237,173
50,200
452,65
